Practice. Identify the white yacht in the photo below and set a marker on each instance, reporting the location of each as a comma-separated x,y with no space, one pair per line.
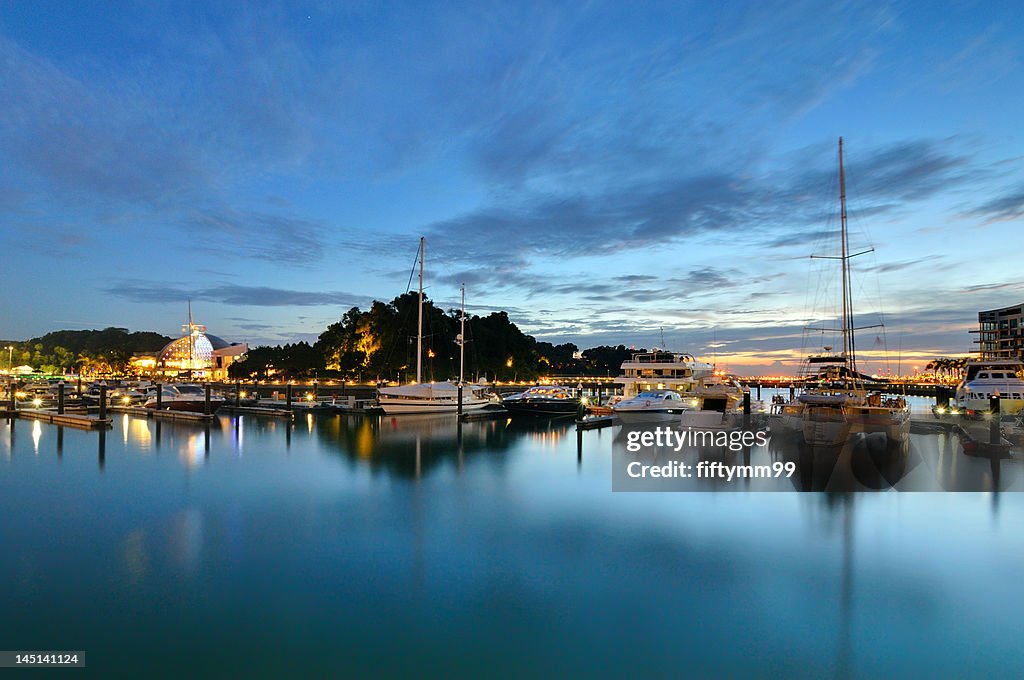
986,378
660,370
716,403
652,406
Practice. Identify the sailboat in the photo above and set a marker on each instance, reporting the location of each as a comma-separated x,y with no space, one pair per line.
433,397
830,414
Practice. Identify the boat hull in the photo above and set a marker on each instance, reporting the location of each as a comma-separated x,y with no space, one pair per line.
1006,406
642,416
189,405
540,409
709,420
393,407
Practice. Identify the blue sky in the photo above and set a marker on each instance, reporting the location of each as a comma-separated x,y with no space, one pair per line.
606,172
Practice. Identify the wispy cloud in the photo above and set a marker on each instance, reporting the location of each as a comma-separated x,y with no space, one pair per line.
230,294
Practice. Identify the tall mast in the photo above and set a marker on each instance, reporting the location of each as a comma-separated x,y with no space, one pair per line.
849,353
419,324
462,334
849,346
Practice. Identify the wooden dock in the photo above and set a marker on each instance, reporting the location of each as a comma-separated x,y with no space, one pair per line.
594,422
483,414
263,411
84,422
143,412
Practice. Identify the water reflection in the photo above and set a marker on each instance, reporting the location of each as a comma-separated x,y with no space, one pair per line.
414,445
37,433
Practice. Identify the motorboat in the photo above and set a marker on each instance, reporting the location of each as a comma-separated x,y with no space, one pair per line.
185,397
716,403
657,370
543,400
652,406
988,378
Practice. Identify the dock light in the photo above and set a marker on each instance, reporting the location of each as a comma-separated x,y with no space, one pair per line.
242,395
20,395
309,397
940,410
37,402
126,400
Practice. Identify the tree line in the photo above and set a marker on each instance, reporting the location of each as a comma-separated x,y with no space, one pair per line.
89,352
379,344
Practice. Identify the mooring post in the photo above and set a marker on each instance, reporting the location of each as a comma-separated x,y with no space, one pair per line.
792,392
206,399
941,396
159,396
460,398
60,397
759,391
288,397
103,401
79,391
12,392
238,393
746,409
993,427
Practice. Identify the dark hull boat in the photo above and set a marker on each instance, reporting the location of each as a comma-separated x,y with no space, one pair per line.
547,402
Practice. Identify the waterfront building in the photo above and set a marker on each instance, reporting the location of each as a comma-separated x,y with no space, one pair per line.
198,355
1001,333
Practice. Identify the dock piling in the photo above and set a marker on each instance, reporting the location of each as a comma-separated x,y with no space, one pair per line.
206,399
994,435
159,396
238,393
60,397
460,400
103,401
288,397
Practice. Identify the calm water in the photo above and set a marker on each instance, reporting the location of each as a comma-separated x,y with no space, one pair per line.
352,547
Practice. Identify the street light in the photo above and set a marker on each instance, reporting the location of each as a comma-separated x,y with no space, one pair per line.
10,358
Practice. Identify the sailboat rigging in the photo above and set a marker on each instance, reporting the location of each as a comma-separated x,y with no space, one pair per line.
431,397
829,414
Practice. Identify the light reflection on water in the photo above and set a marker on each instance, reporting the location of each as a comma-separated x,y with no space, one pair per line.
410,545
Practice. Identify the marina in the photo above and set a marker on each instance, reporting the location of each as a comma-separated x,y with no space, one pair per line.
568,340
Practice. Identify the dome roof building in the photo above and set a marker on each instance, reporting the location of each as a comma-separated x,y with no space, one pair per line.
198,354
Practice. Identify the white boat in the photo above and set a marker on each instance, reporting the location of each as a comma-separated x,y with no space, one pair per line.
658,370
652,406
986,378
432,397
842,406
716,403
185,398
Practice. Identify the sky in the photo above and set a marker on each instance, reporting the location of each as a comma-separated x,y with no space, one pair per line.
653,174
